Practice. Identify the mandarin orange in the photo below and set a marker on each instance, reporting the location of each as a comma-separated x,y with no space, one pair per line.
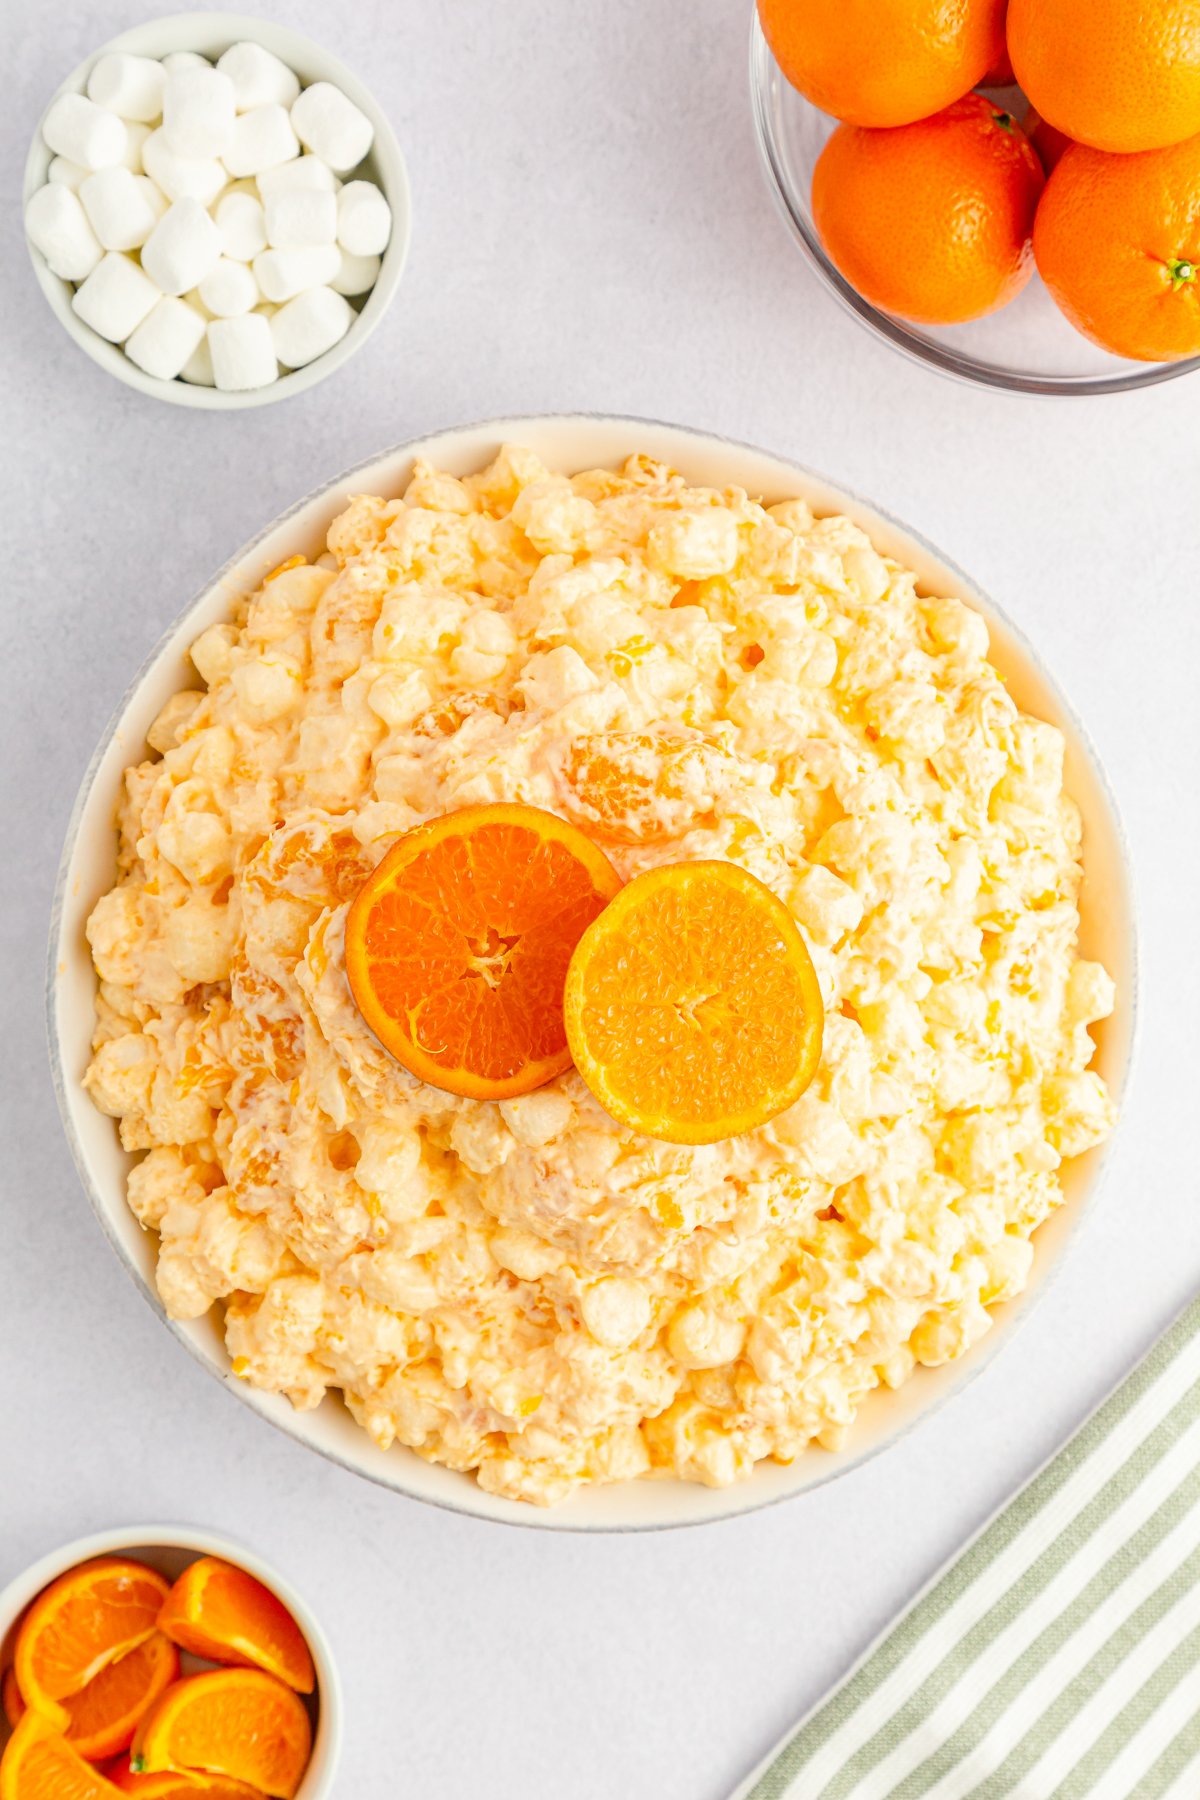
693,1010
931,221
1117,241
223,1613
91,1616
39,1764
237,1722
1119,75
457,946
104,1714
883,62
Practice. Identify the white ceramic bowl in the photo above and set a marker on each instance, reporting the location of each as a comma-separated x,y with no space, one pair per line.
571,443
170,1549
211,33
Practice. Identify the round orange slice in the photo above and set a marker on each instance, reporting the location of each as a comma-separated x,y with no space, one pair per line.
39,1764
693,1010
237,1722
220,1612
88,1618
457,946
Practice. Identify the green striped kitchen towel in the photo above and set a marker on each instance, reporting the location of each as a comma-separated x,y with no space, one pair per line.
1058,1655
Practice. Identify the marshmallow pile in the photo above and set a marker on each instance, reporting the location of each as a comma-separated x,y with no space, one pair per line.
201,214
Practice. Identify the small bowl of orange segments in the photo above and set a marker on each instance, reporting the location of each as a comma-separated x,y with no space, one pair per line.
166,1663
1011,197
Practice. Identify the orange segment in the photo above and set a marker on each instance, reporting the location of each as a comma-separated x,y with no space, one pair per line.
636,787
693,1010
86,1619
238,1722
224,1614
457,946
175,1784
104,1714
39,1764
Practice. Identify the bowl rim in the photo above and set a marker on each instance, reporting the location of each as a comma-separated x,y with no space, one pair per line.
392,178
28,1582
956,365
473,1502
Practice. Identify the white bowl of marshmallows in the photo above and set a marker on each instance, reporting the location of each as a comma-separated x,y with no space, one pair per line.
217,210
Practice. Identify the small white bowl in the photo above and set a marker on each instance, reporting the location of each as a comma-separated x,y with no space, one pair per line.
211,33
170,1549
88,869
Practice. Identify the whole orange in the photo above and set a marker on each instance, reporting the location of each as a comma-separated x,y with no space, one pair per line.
931,221
1117,241
883,62
1116,74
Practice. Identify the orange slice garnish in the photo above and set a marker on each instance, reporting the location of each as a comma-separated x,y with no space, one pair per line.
88,1618
693,1010
457,946
224,1614
39,1764
237,1722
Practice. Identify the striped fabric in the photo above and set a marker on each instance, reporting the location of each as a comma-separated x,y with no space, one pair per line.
1057,1656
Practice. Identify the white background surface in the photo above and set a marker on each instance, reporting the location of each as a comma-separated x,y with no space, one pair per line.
591,231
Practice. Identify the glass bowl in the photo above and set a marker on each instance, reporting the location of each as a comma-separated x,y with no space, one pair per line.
1028,347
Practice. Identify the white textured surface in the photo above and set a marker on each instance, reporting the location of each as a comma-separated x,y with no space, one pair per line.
591,231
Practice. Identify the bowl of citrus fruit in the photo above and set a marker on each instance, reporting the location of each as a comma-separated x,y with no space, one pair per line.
163,1663
1006,190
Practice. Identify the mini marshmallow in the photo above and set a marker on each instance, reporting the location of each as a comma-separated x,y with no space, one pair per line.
198,113
119,210
229,290
310,325
64,173
356,275
182,177
135,138
59,227
182,248
77,128
332,127
262,139
258,77
115,298
282,274
243,353
242,225
198,368
184,59
166,338
364,219
300,218
304,172
130,86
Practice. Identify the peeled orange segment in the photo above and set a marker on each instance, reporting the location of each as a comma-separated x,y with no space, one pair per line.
39,1764
104,1714
237,1722
222,1613
86,1619
693,1010
457,946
